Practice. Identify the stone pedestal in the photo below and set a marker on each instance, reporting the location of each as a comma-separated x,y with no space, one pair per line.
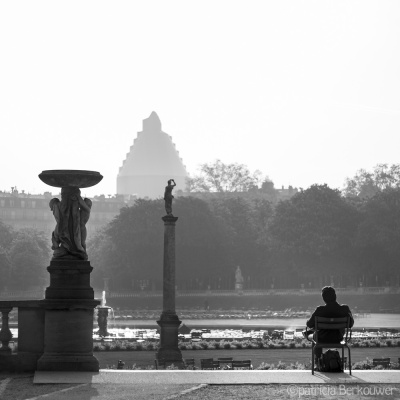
169,321
102,320
69,304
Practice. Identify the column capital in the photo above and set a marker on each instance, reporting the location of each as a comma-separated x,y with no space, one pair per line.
169,219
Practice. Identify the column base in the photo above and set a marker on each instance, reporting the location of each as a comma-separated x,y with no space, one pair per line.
72,362
169,350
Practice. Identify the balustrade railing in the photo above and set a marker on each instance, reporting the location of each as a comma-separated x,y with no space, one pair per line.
30,335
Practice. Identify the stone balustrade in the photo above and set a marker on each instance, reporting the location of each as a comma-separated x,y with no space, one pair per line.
30,335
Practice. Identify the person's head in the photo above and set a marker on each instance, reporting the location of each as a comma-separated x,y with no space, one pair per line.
169,181
328,294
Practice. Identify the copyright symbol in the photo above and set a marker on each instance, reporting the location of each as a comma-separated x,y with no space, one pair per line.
292,390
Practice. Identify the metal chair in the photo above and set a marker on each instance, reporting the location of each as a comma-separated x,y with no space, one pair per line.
243,364
331,324
384,362
209,363
189,363
226,360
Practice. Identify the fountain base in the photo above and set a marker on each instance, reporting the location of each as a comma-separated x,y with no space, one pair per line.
69,308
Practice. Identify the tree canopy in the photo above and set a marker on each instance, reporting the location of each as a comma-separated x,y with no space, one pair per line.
221,177
366,184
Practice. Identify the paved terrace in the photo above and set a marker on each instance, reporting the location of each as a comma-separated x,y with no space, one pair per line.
241,377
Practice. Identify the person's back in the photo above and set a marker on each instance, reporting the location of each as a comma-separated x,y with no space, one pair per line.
331,309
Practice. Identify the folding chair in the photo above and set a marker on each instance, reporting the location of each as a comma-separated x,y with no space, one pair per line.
331,324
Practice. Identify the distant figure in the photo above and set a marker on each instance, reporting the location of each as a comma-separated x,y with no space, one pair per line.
168,196
331,309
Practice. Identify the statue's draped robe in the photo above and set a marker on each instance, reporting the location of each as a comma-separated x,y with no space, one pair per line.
69,227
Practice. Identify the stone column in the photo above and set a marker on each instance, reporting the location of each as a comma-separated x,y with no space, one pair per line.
169,321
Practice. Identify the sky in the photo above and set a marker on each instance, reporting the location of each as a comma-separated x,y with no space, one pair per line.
304,91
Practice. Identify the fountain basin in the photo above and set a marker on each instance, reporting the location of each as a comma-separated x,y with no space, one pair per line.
70,178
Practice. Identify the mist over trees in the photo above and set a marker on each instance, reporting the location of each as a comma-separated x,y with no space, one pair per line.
318,236
24,256
315,238
221,177
367,184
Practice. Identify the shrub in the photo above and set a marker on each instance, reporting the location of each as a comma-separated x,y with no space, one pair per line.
227,345
204,345
266,366
389,343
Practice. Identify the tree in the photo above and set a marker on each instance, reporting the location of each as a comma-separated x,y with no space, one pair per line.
378,235
220,177
6,235
312,233
29,256
366,184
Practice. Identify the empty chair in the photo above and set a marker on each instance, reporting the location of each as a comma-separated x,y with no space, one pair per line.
209,363
384,362
189,363
242,364
225,360
160,363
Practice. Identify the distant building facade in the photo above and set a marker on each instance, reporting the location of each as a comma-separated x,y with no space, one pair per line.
22,210
150,163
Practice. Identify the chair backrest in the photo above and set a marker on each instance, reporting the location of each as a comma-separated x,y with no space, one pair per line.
241,364
340,323
189,362
385,362
209,363
225,359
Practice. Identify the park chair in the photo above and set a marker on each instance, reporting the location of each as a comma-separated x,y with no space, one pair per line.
209,363
242,364
328,324
189,363
164,363
226,360
385,362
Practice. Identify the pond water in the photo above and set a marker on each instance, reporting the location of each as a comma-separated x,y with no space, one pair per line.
372,321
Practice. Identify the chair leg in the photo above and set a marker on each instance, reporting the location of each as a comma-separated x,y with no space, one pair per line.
348,348
343,363
312,360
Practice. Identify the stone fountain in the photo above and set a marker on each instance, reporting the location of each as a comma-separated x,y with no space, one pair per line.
69,300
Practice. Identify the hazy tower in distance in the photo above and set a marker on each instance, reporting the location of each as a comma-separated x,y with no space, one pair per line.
150,163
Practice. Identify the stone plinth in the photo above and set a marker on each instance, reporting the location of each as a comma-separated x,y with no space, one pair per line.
169,321
69,279
69,307
102,316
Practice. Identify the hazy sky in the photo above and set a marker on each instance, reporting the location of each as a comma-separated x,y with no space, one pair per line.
305,91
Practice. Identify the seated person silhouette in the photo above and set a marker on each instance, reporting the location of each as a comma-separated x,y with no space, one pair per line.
331,309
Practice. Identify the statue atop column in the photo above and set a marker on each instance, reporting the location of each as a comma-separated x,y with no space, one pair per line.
168,196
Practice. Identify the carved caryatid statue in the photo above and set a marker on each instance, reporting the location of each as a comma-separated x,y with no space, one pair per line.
71,215
168,196
72,212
